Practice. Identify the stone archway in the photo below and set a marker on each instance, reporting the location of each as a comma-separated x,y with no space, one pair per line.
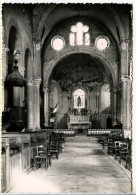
49,66
55,63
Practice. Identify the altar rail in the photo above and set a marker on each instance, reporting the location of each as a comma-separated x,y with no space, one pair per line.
97,132
67,132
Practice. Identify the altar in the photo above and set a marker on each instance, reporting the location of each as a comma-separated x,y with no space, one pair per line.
79,122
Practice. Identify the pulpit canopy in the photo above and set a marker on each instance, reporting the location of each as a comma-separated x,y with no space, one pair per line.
15,78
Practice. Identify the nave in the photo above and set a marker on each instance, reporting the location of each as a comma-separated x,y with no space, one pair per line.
66,71
82,167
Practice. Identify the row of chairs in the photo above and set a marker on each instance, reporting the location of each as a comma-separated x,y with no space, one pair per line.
67,132
118,147
46,151
95,132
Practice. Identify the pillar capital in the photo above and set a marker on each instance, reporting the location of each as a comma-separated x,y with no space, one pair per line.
115,89
6,49
29,81
37,45
45,89
37,82
123,44
124,79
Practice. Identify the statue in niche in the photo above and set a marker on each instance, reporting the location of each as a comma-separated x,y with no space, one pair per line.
79,101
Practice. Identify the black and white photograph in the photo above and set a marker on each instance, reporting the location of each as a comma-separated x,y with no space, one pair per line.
66,103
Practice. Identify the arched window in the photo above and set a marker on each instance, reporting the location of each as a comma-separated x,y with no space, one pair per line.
79,34
79,98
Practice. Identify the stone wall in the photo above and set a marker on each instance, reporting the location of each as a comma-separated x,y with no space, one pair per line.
52,57
21,18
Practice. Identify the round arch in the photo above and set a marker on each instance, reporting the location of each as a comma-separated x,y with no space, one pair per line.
105,96
54,62
59,91
83,88
44,16
28,65
14,42
11,23
53,82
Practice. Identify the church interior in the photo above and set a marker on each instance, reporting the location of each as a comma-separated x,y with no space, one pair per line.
66,98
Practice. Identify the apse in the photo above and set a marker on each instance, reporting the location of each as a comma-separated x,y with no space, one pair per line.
80,80
80,69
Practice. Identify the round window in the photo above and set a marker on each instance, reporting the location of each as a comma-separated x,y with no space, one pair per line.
57,43
102,43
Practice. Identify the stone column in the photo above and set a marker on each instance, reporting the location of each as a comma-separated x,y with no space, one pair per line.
29,105
37,59
69,100
60,100
124,106
124,57
46,107
114,106
99,100
37,83
119,105
129,104
4,74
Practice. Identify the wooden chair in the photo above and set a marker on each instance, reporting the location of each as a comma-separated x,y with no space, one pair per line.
111,140
128,161
110,146
41,157
63,137
125,154
54,148
118,145
123,151
38,160
60,147
103,140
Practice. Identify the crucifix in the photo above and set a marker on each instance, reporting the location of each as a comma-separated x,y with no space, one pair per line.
79,29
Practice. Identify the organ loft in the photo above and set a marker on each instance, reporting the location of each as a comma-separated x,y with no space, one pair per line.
66,81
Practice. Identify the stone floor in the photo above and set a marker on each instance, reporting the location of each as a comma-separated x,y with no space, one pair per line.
81,168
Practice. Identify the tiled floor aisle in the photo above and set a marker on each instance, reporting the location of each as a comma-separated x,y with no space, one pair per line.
81,168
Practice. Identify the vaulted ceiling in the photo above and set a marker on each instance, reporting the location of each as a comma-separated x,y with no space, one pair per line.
114,17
